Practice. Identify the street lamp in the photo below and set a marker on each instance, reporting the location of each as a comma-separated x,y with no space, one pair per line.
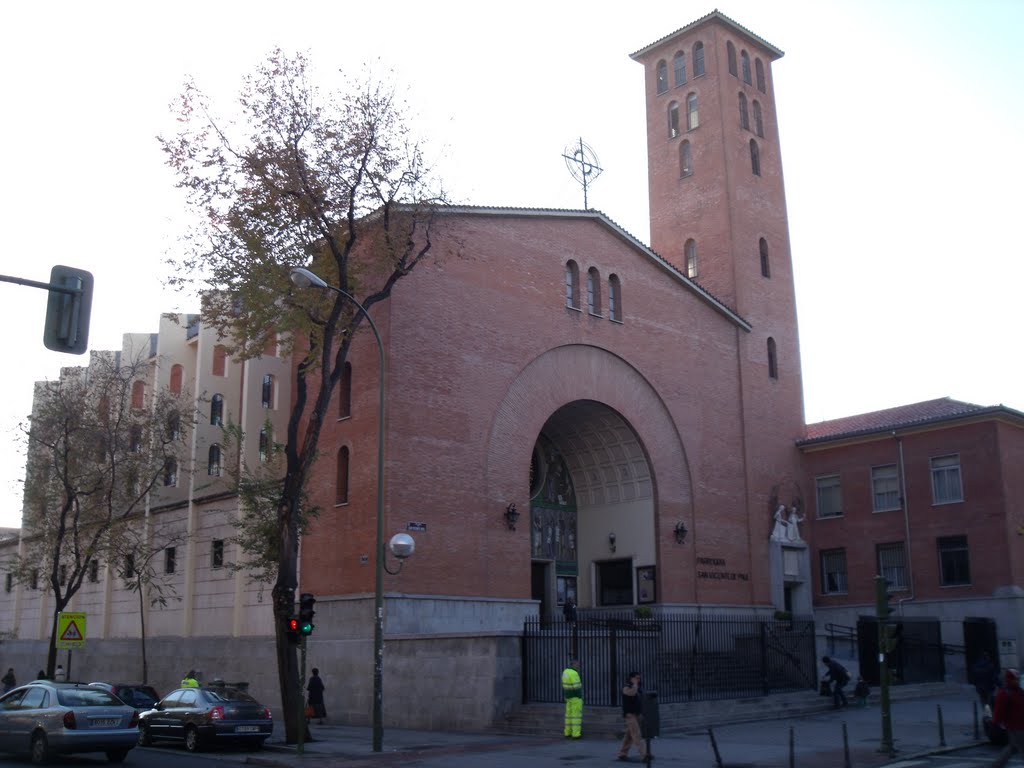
303,278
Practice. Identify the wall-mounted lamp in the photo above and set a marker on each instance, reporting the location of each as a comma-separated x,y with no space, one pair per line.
611,541
511,516
680,532
402,545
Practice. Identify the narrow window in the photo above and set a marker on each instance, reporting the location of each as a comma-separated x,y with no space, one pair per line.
572,285
829,495
268,390
679,68
673,119
138,394
135,439
177,375
8,582
593,291
217,553
217,410
773,362
762,246
759,71
758,124
341,480
173,426
170,559
264,443
745,66
220,356
33,579
691,258
946,486
685,159
755,158
129,566
170,473
885,488
614,298
698,59
892,565
345,392
730,54
954,562
833,571
744,119
213,465
662,75
94,570
691,112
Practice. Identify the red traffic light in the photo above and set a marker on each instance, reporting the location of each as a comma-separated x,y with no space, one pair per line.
293,625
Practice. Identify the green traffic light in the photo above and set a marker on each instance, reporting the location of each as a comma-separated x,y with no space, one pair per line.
307,628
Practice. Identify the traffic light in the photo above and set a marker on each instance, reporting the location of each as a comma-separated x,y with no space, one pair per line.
67,311
891,634
306,613
291,629
882,608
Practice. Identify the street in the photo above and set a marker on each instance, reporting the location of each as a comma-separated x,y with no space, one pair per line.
171,756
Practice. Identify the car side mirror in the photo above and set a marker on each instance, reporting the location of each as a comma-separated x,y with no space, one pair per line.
159,706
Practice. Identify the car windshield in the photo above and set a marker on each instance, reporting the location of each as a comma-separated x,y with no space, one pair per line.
228,694
87,697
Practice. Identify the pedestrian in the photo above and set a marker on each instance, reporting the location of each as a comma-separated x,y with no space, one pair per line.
41,674
632,711
569,610
861,692
1009,714
59,675
8,680
190,680
986,678
316,696
572,690
839,677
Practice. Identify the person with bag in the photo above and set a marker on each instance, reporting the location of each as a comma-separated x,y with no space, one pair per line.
632,711
315,702
839,677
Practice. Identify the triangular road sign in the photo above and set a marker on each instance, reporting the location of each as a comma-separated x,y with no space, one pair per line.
71,633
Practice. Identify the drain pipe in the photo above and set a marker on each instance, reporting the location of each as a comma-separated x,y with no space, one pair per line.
906,523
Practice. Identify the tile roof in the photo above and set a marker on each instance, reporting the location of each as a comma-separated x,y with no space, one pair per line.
891,418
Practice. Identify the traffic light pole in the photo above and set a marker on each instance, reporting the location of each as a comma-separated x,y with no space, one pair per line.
883,610
300,744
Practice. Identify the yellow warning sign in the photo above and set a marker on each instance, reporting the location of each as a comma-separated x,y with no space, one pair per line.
71,630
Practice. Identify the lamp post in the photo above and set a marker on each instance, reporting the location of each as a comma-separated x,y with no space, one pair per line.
303,278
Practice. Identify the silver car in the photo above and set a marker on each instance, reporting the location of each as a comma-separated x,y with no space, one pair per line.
45,719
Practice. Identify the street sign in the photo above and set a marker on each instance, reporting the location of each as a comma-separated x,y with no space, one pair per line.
71,630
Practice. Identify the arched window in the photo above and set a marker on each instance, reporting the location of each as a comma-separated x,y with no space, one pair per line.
679,67
345,392
685,159
614,298
698,59
673,119
572,285
759,72
173,426
758,125
662,75
177,374
691,259
593,291
755,158
773,363
268,390
730,54
341,480
691,112
745,66
762,246
744,120
264,443
170,472
217,410
220,356
213,464
138,394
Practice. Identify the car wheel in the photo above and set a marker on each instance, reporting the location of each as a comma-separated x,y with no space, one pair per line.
191,739
145,738
117,755
40,751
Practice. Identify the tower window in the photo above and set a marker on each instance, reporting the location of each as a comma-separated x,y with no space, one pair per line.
217,410
730,53
268,390
685,159
614,298
773,361
341,479
691,258
758,125
698,59
138,394
177,373
220,355
745,66
691,112
662,74
170,559
744,120
213,464
679,67
755,158
264,443
345,392
217,553
170,473
572,285
759,72
762,246
593,291
673,119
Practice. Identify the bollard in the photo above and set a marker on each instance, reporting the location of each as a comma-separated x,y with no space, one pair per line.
846,748
792,751
977,735
942,730
714,746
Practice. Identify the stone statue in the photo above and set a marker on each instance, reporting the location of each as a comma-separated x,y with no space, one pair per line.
793,532
780,532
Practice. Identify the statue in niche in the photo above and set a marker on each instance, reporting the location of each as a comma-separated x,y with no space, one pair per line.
795,518
781,530
786,519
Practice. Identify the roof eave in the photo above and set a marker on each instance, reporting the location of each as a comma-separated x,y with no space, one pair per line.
715,15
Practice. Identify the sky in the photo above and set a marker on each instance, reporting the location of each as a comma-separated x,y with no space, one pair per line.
900,123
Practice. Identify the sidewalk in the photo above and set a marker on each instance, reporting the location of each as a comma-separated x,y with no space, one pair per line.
817,743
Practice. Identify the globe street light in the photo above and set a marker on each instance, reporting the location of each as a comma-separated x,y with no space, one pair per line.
303,278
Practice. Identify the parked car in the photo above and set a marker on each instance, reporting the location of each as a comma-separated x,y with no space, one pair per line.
203,716
45,718
137,695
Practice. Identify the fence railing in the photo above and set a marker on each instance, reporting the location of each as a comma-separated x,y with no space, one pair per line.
684,657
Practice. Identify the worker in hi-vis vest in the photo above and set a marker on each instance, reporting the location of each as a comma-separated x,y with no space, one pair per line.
572,689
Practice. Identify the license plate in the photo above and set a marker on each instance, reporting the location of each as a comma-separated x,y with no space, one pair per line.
105,722
247,729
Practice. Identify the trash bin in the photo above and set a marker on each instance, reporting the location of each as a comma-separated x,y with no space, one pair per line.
651,727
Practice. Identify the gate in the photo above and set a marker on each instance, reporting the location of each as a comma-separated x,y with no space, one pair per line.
683,657
919,656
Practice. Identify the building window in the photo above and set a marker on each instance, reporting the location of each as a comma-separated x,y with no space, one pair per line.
698,59
679,68
135,438
177,374
170,559
773,360
685,159
173,426
830,496
662,75
341,478
593,292
220,356
129,566
758,124
217,553
268,390
572,285
745,66
946,487
759,72
33,579
8,582
614,298
730,55
345,392
94,570
954,563
755,158
691,112
170,473
673,119
833,571
744,119
213,464
762,247
217,410
138,394
264,443
690,250
892,565
885,488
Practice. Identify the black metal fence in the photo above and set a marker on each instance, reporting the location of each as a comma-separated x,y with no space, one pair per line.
684,657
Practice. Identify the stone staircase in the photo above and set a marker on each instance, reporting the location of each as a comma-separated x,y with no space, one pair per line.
698,716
